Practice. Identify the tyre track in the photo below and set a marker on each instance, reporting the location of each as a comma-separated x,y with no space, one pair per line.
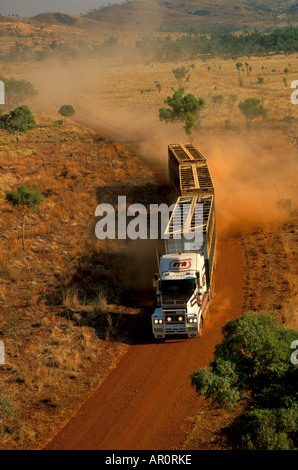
142,415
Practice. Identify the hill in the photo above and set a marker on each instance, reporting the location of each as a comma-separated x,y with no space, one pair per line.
66,21
183,16
56,18
196,15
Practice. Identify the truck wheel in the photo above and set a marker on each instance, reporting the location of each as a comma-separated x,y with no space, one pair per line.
160,340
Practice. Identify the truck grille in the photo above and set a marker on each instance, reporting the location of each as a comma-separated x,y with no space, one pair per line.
174,302
174,318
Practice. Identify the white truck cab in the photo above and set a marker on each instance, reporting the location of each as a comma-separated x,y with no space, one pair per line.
181,295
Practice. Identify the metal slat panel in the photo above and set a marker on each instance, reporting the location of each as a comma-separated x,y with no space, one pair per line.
183,218
188,170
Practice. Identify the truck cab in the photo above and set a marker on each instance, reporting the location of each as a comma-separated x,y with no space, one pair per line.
182,295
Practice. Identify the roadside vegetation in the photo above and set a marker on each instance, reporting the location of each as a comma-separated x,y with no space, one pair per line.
253,364
249,387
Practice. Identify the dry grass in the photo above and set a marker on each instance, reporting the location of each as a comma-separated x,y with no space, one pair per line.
65,355
70,298
101,301
271,272
209,78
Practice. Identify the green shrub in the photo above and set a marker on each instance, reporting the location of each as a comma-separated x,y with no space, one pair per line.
253,363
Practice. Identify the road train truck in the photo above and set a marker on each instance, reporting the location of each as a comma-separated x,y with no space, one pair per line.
184,282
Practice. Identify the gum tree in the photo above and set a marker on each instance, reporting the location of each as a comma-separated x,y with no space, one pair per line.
182,108
25,201
17,91
19,120
252,108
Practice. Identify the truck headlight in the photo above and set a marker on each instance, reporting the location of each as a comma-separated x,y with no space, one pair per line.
180,318
160,321
155,321
169,319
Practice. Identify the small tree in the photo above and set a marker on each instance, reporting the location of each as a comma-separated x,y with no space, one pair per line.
158,86
253,363
239,66
182,108
5,409
252,108
66,110
17,91
24,200
217,100
182,73
248,68
231,101
18,120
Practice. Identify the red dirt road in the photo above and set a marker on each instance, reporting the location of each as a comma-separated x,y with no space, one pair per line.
146,402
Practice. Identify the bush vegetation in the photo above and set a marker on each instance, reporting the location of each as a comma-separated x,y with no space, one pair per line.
226,45
253,364
66,110
187,46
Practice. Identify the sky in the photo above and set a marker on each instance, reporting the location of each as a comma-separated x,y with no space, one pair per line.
28,8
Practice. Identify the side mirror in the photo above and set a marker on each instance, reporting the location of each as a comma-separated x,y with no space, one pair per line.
155,281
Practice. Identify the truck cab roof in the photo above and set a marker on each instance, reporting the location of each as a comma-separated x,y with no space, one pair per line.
181,265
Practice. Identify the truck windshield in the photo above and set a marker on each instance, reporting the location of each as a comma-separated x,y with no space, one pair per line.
178,288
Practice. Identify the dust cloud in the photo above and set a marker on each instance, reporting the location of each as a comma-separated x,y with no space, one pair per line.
60,83
253,173
251,170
